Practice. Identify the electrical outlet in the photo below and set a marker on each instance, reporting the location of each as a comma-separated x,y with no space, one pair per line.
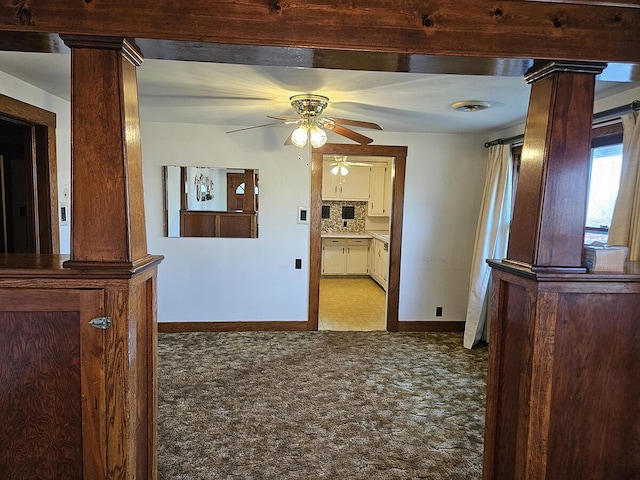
438,311
298,263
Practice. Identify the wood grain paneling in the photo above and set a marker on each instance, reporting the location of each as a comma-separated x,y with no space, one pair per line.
152,377
51,362
513,392
40,366
596,392
108,222
550,205
478,28
562,391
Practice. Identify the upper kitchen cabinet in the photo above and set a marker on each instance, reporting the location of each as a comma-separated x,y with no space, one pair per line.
379,191
353,186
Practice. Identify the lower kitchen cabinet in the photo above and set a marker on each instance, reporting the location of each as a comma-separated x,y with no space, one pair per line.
357,257
379,262
345,256
333,256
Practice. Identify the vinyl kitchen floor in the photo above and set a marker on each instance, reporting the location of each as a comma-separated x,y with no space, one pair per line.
351,304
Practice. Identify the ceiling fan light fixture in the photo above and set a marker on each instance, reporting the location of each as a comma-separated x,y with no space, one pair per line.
340,167
470,106
317,136
307,104
299,136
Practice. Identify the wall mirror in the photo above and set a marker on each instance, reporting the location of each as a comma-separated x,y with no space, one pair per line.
210,202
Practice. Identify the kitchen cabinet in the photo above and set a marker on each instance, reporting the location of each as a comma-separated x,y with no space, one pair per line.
379,191
357,258
333,256
345,256
354,186
379,262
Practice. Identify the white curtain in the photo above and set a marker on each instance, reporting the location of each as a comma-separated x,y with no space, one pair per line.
625,224
492,235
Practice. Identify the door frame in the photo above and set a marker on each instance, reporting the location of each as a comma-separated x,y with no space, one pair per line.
399,153
44,174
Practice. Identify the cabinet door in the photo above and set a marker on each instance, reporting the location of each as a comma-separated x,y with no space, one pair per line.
330,183
357,256
52,368
384,263
388,191
376,191
378,260
333,256
355,185
372,257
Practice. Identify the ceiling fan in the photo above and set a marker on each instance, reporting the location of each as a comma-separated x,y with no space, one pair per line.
312,126
341,163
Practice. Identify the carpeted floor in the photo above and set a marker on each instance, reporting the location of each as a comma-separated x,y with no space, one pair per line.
320,405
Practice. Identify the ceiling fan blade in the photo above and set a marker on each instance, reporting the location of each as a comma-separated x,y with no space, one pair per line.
288,140
286,120
255,126
346,132
355,123
358,164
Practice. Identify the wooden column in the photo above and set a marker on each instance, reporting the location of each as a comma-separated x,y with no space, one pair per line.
562,389
548,219
107,213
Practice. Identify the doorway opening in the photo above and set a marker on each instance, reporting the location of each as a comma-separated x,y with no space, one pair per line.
389,226
28,179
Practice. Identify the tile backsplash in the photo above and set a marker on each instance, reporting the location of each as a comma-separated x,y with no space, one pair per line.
335,222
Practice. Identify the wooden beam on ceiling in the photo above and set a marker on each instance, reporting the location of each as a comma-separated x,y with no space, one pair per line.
465,28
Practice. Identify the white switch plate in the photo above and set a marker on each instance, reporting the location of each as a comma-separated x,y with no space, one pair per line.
64,213
303,214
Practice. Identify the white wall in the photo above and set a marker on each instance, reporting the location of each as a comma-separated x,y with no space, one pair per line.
14,88
231,279
444,181
214,279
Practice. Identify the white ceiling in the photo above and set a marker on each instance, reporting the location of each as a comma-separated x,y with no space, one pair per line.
242,95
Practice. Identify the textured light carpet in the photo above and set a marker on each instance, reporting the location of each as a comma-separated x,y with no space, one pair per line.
320,405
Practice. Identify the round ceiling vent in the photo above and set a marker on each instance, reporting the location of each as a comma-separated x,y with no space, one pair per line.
470,105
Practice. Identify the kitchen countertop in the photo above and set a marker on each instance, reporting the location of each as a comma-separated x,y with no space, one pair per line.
345,235
384,236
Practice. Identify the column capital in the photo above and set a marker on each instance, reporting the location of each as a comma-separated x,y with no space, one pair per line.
544,68
128,47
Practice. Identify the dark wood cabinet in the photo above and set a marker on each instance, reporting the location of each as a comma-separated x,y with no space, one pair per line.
77,401
563,391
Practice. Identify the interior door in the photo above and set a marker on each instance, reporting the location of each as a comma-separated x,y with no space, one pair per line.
28,145
17,189
235,197
52,371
